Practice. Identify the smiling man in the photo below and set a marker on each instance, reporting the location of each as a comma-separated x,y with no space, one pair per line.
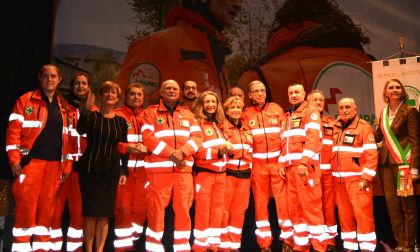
191,47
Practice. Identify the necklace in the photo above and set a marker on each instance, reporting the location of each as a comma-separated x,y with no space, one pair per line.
391,113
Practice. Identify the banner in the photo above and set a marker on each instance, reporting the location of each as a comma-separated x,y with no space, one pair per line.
407,70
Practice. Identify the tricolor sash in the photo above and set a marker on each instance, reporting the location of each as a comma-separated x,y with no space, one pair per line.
400,155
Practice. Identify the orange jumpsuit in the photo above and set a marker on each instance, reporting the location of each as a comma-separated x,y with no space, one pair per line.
301,144
303,55
190,48
210,186
163,132
238,185
354,157
35,190
328,203
265,127
130,204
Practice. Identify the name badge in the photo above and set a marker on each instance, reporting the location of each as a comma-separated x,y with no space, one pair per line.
184,123
349,139
328,131
296,122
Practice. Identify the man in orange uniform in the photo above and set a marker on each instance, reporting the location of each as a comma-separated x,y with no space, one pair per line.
192,47
354,163
316,98
130,204
301,144
171,135
70,190
264,120
38,147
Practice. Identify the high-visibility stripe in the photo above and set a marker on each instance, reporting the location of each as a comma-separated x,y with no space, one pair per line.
235,230
75,233
225,245
137,228
350,245
262,131
21,247
41,230
346,174
23,231
182,234
214,142
266,155
73,246
135,163
327,141
237,162
325,166
123,232
18,117
122,243
367,246
208,154
213,231
219,164
320,236
332,229
147,127
167,133
213,240
297,156
285,223
369,171
154,247
199,234
193,144
263,234
195,128
312,125
41,246
56,246
366,237
301,241
293,132
347,149
348,235
153,234
159,148
12,147
134,138
286,234
318,229
55,233
299,228
31,124
164,164
241,146
261,224
200,243
369,147
308,153
235,245
182,247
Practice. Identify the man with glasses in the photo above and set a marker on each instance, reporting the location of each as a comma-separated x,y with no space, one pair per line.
189,93
264,120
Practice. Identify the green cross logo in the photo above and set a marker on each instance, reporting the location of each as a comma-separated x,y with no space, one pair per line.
159,120
29,110
209,132
252,123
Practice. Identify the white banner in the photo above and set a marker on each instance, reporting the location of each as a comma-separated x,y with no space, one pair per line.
407,70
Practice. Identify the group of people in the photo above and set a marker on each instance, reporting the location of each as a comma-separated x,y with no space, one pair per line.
130,163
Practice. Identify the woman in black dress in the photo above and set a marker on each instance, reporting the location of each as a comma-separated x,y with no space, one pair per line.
103,165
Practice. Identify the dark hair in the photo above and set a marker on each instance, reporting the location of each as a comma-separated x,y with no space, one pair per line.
73,78
294,12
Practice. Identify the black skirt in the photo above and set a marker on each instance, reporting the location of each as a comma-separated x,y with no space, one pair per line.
98,195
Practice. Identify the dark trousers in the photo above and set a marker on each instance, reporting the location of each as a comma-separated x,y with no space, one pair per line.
402,210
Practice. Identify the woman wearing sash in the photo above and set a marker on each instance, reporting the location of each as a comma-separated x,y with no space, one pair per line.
398,162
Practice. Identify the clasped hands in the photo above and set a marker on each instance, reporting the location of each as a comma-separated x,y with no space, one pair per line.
136,148
178,158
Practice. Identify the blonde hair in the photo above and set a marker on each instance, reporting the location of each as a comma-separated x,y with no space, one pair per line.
403,94
232,100
108,85
198,108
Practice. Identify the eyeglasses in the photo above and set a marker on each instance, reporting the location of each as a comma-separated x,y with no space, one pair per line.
258,91
190,88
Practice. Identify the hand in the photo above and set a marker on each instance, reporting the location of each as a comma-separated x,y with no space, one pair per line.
364,185
142,147
177,157
282,172
122,180
133,148
302,170
90,100
16,169
225,149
